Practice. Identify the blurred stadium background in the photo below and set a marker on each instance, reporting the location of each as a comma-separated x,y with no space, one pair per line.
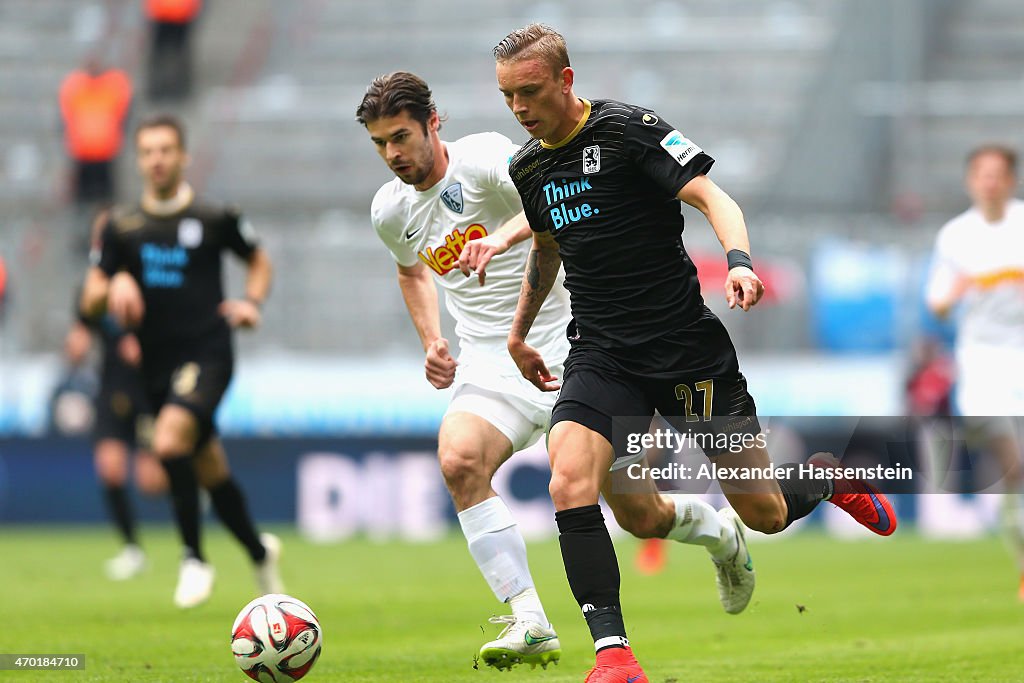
840,126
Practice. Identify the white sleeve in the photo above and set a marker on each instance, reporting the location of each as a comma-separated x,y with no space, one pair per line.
389,229
944,273
497,175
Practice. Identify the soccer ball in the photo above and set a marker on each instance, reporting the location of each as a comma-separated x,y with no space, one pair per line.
276,638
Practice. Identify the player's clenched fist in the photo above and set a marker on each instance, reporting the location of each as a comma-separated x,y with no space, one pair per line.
440,365
531,365
743,288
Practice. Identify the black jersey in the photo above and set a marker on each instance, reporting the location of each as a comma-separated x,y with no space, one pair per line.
176,259
608,195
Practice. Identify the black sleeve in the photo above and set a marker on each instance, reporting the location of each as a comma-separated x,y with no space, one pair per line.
662,153
109,257
536,224
239,235
532,218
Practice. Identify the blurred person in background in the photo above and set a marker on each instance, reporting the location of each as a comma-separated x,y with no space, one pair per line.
122,424
928,396
170,48
978,268
929,385
94,105
928,402
159,273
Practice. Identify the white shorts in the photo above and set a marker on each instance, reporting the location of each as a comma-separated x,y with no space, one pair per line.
627,460
989,380
487,388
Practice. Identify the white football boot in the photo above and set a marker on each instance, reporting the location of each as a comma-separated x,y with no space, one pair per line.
736,574
127,564
521,642
268,577
195,583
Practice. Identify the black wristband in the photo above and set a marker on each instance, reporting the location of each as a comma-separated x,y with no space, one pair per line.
738,257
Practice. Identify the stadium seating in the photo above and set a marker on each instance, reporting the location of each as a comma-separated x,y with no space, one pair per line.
972,95
272,128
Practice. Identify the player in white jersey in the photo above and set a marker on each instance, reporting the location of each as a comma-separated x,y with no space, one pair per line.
979,267
453,210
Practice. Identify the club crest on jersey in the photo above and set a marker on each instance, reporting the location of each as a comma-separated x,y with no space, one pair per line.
190,233
452,197
592,159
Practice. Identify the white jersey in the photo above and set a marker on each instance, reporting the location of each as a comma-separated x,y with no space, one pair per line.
990,256
990,334
475,198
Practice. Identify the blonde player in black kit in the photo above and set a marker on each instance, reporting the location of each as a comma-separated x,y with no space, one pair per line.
601,183
159,272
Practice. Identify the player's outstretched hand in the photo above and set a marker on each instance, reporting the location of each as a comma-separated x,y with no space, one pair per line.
130,351
476,254
440,365
241,313
743,288
531,364
124,300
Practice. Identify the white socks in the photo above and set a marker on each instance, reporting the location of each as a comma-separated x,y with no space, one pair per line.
527,606
500,553
697,523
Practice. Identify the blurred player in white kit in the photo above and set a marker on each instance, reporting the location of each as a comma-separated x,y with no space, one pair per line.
978,266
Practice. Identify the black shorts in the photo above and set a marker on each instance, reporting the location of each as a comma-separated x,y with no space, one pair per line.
193,378
702,393
122,414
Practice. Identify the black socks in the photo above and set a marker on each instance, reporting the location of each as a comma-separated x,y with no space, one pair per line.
121,512
230,506
803,495
185,498
593,572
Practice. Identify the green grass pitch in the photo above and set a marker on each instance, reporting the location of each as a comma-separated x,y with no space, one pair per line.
901,609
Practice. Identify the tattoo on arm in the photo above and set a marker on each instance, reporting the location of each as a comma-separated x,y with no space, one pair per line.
533,269
541,272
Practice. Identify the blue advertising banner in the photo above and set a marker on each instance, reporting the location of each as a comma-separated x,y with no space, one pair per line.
334,488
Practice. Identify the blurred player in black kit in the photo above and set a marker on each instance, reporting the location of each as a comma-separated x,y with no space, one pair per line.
122,424
601,183
159,273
